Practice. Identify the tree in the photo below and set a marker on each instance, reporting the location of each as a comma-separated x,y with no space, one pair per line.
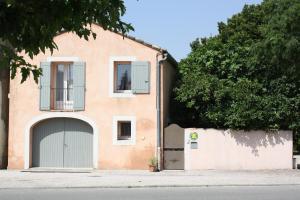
248,75
31,25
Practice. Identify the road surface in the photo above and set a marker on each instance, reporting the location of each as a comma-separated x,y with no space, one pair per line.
177,193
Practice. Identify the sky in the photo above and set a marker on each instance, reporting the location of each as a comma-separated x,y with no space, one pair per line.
174,24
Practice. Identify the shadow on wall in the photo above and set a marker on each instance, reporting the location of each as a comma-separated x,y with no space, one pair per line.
257,139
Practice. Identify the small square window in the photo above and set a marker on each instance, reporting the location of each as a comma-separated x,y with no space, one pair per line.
122,77
124,130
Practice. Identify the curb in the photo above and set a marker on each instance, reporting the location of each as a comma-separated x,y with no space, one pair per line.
147,186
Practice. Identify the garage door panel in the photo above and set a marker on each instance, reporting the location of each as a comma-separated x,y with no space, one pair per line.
62,142
78,144
47,146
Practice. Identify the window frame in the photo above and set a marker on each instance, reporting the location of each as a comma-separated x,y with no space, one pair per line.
115,129
115,81
112,60
120,136
53,85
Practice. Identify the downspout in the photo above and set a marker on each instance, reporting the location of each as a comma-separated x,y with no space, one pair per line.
158,106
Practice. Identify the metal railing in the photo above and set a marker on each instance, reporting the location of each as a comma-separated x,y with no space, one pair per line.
62,98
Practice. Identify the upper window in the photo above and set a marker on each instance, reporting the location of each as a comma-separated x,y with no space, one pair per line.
62,86
122,77
128,77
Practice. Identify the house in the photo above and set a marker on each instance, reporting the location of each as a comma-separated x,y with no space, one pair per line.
100,104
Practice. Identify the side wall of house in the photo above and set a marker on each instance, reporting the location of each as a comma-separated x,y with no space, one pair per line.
100,106
167,78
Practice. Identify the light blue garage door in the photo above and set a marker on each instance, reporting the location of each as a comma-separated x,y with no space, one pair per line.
62,143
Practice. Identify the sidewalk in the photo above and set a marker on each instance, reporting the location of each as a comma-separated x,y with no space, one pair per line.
128,179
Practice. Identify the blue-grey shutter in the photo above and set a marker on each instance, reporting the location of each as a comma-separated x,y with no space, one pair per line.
79,85
45,82
140,77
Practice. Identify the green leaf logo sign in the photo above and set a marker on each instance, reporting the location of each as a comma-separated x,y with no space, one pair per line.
194,136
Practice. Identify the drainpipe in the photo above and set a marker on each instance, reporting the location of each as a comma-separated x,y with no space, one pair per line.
158,106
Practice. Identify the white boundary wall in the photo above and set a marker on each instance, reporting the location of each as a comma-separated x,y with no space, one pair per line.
236,150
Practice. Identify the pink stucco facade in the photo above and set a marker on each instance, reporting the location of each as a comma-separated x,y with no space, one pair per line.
238,150
100,106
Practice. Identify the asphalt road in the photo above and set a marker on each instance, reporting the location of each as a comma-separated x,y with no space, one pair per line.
206,193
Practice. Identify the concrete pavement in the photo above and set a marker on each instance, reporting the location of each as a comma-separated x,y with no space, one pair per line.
137,179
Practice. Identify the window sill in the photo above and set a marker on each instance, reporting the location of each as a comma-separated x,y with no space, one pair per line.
67,110
122,95
124,142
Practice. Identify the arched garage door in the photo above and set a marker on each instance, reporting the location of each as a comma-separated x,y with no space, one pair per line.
62,142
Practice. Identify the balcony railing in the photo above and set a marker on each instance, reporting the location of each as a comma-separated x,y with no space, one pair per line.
62,98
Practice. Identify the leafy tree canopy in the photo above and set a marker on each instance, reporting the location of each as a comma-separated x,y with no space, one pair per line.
248,75
31,26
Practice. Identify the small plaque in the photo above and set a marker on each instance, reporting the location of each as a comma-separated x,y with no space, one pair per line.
194,145
194,136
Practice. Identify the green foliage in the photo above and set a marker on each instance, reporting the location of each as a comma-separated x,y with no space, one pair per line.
247,76
153,161
31,25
